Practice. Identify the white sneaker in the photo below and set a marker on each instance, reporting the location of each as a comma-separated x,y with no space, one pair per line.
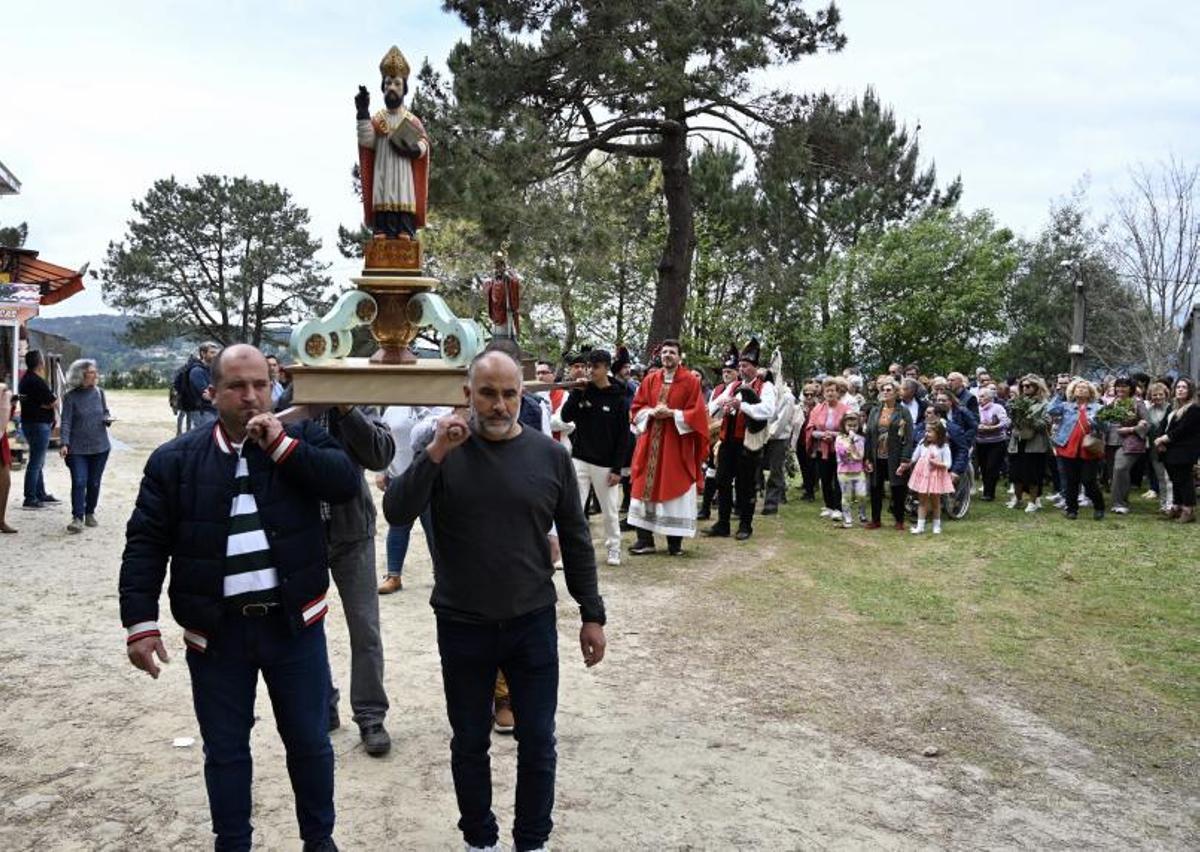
1150,495
1120,510
835,516
918,529
1012,490
1084,501
495,847
614,555
825,513
1012,503
1034,506
847,525
937,527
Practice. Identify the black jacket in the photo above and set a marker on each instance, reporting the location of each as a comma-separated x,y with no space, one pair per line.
900,440
369,443
182,516
601,418
37,400
1183,436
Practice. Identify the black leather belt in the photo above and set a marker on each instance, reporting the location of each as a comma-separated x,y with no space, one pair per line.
257,610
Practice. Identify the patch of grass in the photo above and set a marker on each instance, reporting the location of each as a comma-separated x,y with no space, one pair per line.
1097,625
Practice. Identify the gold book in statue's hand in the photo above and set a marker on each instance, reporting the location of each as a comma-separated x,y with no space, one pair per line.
406,136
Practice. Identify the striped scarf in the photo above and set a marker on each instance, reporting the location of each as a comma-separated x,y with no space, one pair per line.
249,576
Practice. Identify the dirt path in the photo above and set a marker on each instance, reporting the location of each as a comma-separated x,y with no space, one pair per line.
691,735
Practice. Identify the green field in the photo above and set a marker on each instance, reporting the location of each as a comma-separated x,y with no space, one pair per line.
1093,626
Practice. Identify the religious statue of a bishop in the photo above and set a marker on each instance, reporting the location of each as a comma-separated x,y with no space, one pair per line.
393,156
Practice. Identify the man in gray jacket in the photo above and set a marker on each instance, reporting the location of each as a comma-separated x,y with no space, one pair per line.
350,532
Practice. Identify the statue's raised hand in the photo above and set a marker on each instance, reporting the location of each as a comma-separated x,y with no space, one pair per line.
362,102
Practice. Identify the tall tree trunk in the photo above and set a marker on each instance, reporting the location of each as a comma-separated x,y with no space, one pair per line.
675,268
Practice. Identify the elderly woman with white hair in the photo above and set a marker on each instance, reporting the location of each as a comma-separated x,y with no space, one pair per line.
1079,443
84,441
991,440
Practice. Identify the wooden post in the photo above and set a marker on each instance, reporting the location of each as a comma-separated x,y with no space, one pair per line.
1078,324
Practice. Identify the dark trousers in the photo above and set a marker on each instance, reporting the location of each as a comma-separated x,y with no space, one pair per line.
736,468
37,436
86,472
1183,484
645,537
991,463
879,478
525,650
774,457
1110,456
710,491
1075,472
224,679
808,470
831,492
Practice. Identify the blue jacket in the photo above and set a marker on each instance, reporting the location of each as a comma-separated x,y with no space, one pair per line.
1069,412
182,516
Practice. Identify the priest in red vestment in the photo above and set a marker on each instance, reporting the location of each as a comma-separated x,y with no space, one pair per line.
671,421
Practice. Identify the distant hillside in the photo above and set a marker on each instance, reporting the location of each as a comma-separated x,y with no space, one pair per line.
98,335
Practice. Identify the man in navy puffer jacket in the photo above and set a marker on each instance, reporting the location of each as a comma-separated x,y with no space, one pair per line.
235,509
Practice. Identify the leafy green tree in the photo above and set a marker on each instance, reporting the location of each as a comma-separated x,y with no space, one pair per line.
725,270
228,259
833,172
930,290
539,87
14,236
1039,304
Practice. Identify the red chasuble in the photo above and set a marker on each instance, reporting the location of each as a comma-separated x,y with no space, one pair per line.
665,463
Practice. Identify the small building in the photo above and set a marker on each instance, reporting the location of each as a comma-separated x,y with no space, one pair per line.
26,284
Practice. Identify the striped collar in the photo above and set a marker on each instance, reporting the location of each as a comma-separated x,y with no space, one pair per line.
221,437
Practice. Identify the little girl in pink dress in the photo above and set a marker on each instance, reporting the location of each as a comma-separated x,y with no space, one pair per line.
930,477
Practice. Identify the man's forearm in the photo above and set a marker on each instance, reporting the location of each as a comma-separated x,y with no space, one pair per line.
408,495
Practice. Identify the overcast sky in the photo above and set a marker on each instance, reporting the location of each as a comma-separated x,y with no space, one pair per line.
98,100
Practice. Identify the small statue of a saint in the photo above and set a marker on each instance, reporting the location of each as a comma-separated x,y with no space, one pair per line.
502,292
393,156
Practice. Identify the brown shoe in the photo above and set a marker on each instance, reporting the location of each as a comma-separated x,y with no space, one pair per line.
391,583
502,718
1187,516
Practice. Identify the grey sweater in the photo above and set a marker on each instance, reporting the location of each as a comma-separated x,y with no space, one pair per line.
83,415
492,504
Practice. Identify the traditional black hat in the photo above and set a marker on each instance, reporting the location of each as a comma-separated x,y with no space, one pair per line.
622,358
751,352
731,358
580,357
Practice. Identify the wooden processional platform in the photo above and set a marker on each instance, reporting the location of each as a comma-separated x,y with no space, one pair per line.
355,381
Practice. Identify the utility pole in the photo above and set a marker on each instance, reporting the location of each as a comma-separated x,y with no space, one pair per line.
1078,317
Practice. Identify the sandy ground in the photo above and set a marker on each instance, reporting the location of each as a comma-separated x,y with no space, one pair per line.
666,745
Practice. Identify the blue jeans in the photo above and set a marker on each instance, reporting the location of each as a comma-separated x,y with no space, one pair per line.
526,650
224,679
397,543
201,417
86,471
37,436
